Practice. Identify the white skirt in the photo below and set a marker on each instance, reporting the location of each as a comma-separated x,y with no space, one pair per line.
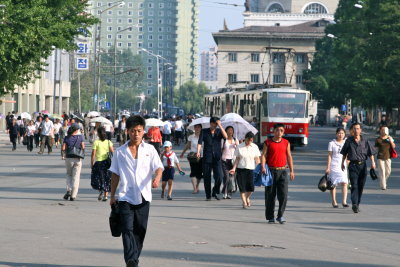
338,177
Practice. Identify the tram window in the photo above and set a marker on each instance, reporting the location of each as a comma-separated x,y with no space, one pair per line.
290,105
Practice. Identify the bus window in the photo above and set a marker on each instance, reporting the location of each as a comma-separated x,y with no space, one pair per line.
283,104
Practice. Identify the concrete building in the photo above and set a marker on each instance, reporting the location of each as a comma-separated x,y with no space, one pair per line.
208,65
276,44
168,28
287,12
43,93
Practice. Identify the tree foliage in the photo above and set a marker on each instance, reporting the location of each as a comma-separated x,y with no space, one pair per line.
361,61
190,96
130,73
29,32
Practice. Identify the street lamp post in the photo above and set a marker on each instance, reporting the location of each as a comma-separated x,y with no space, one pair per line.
97,55
159,82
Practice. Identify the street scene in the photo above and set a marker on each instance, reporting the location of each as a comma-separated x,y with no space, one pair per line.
199,133
39,228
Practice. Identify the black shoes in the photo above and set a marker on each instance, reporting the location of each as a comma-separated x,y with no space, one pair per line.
67,195
355,208
132,263
345,205
215,196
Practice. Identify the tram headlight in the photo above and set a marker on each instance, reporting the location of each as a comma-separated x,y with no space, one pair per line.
300,130
271,129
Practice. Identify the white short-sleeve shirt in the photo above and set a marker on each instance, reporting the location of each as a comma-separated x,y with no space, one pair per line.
135,175
174,160
247,155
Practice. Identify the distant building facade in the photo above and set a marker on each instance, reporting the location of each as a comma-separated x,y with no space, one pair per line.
168,28
208,65
276,44
43,93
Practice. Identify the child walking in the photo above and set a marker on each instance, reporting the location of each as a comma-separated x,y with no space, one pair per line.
170,160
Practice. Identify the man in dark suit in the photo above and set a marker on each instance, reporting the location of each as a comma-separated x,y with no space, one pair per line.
210,139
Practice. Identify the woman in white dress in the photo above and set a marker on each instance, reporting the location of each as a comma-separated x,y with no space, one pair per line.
333,169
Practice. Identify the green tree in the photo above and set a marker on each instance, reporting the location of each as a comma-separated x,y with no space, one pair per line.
361,61
29,32
190,96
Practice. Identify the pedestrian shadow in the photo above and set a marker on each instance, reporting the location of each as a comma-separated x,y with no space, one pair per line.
24,264
241,260
383,227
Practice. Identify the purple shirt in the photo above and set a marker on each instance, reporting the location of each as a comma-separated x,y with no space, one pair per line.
73,140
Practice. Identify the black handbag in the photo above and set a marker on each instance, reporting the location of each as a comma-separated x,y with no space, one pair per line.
109,156
323,183
192,157
74,152
115,221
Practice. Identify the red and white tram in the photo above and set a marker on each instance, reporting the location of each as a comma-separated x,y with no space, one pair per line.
269,106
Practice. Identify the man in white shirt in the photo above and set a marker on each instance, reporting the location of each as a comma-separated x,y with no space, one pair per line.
178,130
47,129
133,167
167,129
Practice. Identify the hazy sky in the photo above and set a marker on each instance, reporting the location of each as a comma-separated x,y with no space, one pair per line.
212,17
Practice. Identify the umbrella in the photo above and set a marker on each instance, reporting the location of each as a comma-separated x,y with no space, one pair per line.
56,116
45,112
93,114
240,125
154,123
204,121
26,115
102,120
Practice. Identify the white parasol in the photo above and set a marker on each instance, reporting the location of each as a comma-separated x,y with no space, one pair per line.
154,123
240,125
26,115
204,121
93,114
102,120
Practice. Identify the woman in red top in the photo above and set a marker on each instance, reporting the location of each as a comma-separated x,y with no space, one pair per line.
276,153
155,138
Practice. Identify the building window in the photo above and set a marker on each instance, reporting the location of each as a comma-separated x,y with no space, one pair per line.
130,20
168,29
275,8
140,37
129,44
140,21
109,12
149,68
160,52
232,57
150,37
255,78
149,91
109,20
232,78
150,45
150,29
255,57
160,29
277,57
161,5
130,13
149,60
160,37
140,45
120,13
300,58
277,78
151,5
149,76
149,84
150,13
168,53
141,5
160,45
119,28
150,21
299,79
109,28
130,5
99,4
161,13
119,21
119,36
140,29
108,44
315,8
109,36
140,13
119,45
129,36
160,21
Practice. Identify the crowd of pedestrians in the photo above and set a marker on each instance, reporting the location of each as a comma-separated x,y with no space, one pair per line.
145,157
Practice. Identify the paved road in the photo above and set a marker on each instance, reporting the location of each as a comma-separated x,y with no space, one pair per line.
38,228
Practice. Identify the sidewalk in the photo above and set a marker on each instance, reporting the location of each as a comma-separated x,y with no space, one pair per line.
4,138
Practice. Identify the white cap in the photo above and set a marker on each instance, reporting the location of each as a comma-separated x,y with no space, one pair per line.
167,144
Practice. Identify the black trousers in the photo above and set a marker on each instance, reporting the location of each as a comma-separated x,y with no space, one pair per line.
278,188
109,135
166,137
134,220
13,140
216,167
37,139
358,176
30,143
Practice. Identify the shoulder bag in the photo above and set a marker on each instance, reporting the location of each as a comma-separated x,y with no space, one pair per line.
192,157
